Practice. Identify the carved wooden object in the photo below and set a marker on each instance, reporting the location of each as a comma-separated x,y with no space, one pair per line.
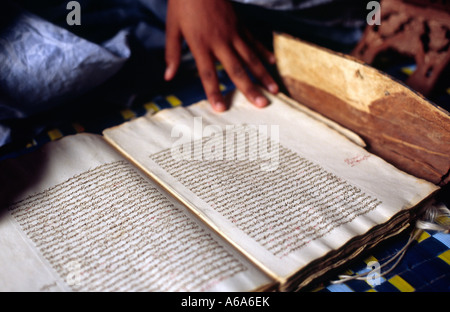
396,123
419,29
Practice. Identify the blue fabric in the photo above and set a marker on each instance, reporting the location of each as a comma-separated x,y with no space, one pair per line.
45,63
335,24
293,4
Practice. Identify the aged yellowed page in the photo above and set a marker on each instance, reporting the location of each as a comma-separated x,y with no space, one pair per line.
82,218
282,186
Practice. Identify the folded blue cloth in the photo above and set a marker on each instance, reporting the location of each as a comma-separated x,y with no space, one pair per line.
45,63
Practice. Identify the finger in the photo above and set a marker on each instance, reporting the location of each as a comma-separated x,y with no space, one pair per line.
261,50
237,73
210,81
267,55
172,51
255,65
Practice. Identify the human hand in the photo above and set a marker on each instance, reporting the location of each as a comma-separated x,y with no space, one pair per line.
212,32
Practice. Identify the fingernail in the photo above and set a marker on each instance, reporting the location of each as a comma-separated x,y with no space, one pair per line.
272,59
168,73
261,101
220,106
273,88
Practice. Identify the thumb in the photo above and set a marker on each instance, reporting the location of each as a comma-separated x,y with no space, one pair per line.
173,51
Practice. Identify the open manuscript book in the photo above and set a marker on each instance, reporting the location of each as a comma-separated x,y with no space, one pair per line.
190,200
